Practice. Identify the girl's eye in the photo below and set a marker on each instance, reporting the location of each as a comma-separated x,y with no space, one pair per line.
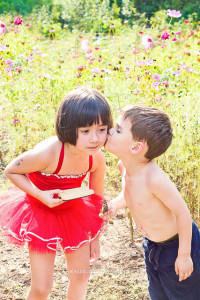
117,130
102,129
85,131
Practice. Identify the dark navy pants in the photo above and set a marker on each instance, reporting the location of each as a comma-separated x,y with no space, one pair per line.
160,266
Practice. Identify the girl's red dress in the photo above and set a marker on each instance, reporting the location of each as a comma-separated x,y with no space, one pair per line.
68,226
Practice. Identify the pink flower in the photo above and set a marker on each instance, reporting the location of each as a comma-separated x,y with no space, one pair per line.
174,13
177,72
28,25
15,121
78,75
155,85
75,55
18,21
52,30
156,77
96,48
165,36
141,32
147,42
112,26
95,71
85,45
135,51
8,70
2,27
9,62
81,68
178,32
80,36
187,21
3,48
175,39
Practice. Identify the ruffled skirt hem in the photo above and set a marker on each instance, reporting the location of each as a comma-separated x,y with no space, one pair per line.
64,228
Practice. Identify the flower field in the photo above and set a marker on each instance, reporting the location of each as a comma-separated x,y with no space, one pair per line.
157,66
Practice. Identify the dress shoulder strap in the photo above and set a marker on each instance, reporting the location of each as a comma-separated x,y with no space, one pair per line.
90,162
60,162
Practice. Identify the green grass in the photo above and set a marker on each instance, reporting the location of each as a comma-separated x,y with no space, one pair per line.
49,62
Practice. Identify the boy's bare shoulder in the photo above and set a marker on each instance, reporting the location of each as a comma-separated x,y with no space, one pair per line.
155,175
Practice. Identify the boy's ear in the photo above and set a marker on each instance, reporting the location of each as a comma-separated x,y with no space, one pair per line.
137,148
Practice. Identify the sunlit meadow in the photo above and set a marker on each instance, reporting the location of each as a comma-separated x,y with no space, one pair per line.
157,66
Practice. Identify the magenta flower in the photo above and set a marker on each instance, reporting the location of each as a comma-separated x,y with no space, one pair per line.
18,69
165,83
147,42
174,13
2,27
18,21
15,121
165,36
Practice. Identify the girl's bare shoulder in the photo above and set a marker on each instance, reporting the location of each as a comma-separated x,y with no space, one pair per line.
98,160
47,150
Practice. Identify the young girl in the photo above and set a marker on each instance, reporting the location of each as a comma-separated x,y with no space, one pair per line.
35,214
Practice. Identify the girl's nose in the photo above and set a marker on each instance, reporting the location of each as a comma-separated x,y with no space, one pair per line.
94,137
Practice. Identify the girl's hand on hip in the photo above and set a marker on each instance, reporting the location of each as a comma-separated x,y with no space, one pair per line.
47,198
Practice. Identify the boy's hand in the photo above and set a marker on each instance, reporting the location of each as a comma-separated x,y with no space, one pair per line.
110,213
183,267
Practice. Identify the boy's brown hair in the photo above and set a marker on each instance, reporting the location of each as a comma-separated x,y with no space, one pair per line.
150,125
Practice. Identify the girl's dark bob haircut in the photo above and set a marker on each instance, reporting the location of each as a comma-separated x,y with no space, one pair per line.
81,108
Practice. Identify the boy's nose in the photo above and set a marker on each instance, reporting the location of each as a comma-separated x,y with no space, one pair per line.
111,131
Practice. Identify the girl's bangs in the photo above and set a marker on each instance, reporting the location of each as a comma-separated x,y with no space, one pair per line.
92,113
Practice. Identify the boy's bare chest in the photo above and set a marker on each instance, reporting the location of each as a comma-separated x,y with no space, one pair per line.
136,194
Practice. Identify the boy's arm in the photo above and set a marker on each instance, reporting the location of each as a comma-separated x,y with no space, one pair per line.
117,203
162,187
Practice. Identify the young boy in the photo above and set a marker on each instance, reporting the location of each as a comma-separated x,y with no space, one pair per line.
171,240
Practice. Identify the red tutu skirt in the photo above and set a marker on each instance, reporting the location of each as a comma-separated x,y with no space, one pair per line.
63,228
